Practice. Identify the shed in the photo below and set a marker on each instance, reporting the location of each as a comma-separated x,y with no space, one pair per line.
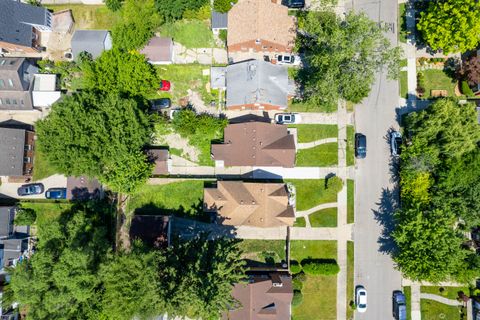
219,21
91,41
159,50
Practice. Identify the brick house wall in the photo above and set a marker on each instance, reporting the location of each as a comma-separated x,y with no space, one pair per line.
256,106
261,46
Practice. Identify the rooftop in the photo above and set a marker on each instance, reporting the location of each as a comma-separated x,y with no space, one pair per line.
12,144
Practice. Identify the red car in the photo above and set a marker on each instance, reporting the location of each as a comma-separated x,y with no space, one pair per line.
164,85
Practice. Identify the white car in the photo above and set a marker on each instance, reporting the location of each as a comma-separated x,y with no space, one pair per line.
361,299
288,60
287,118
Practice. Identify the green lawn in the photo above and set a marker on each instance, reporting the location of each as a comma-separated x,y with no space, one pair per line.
41,168
402,23
313,132
326,218
438,80
307,106
408,297
350,145
263,251
300,222
183,198
403,63
403,79
350,201
46,212
88,16
182,78
319,292
311,193
323,155
350,278
190,33
448,292
432,310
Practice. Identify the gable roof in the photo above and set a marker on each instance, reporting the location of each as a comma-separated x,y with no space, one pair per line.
16,20
260,19
91,41
256,144
256,81
12,144
261,299
219,20
7,214
250,204
159,49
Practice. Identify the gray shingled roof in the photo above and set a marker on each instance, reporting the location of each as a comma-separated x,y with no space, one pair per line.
217,77
257,81
12,144
91,41
219,20
7,214
15,20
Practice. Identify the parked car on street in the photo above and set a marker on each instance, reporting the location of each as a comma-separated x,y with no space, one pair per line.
287,118
399,305
361,299
360,146
294,4
56,193
30,189
160,104
395,143
164,85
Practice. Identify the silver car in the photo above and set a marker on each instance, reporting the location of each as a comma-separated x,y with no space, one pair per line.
287,118
395,143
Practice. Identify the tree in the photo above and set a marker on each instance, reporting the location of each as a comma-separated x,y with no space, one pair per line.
471,70
121,71
139,19
223,6
451,25
25,217
174,9
98,136
114,5
342,56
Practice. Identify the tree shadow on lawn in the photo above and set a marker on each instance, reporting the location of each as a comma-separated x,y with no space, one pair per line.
384,215
194,212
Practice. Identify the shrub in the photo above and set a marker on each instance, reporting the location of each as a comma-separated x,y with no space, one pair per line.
297,284
187,122
223,35
25,217
466,90
297,298
295,267
202,13
223,6
320,266
114,5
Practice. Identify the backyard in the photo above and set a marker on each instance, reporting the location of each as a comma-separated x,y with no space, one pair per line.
190,33
46,212
323,155
41,168
311,193
89,16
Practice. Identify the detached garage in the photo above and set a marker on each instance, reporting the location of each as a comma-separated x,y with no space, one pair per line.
91,41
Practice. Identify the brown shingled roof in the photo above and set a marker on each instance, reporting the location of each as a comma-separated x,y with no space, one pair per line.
260,19
250,204
256,144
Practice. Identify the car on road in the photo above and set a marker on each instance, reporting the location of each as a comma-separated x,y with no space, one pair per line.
164,85
287,118
399,305
30,189
395,143
56,193
160,104
360,146
361,299
294,4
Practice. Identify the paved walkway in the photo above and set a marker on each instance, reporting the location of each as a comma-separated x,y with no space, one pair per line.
415,302
308,145
434,297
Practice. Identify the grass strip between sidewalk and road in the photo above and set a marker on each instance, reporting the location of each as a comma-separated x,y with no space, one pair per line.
350,146
350,201
408,299
350,278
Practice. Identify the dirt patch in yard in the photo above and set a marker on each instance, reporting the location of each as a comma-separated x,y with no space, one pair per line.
175,141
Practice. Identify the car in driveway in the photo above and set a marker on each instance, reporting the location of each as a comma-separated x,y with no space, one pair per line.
395,143
360,145
361,299
287,118
160,104
399,305
56,193
30,189
164,85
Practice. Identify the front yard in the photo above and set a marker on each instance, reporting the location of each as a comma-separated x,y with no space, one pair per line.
313,132
326,218
437,80
432,310
89,16
323,155
447,292
311,193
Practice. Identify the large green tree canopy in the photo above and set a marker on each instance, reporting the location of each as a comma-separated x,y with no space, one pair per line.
451,25
98,136
440,188
342,56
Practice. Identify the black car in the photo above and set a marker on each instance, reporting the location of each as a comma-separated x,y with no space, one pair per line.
160,104
294,4
360,146
30,189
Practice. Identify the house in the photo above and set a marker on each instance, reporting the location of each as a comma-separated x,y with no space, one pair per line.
219,21
152,230
264,296
240,203
257,85
16,152
45,90
255,144
11,251
7,215
16,83
91,41
217,78
160,159
159,50
260,26
22,26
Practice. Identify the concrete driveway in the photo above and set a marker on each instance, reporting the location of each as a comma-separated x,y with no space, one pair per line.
9,190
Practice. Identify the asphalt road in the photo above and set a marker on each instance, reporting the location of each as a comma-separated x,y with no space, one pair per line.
375,197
